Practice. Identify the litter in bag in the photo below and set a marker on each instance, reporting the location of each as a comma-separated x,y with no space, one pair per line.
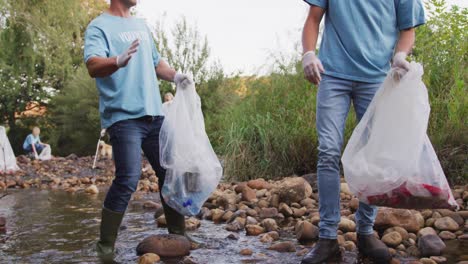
7,156
389,159
193,170
46,153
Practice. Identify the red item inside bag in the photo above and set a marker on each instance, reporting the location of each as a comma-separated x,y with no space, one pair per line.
428,196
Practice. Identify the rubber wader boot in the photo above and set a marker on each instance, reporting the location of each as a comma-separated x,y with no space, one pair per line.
110,223
371,247
325,250
176,224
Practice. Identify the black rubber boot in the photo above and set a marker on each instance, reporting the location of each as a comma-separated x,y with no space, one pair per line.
372,248
110,223
324,250
176,224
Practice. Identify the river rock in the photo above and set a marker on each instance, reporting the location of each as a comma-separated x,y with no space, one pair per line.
227,198
161,221
427,261
430,245
259,184
392,239
299,212
235,226
254,230
283,247
447,235
346,225
270,224
93,189
345,188
151,205
412,221
404,234
149,258
439,259
427,231
217,215
246,252
188,260
293,190
192,223
354,204
349,246
446,223
285,209
166,245
268,212
248,194
312,180
305,231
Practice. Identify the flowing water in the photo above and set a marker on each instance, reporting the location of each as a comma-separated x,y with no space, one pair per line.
59,227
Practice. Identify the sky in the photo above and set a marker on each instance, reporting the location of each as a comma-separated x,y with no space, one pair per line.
243,35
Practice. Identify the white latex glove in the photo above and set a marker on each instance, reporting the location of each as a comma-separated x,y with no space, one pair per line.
183,79
400,64
103,132
123,59
312,67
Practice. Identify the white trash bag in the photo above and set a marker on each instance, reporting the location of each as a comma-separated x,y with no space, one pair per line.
389,159
193,170
7,156
46,153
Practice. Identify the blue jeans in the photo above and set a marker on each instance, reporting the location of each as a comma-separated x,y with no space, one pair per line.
38,146
128,138
333,103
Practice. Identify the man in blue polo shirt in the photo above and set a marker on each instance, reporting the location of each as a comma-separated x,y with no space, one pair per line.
120,53
358,44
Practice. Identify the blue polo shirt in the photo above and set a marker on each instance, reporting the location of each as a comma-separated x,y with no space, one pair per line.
360,35
132,91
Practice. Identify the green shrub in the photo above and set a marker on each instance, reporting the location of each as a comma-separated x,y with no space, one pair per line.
74,114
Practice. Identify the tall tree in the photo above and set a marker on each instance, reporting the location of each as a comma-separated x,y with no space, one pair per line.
41,44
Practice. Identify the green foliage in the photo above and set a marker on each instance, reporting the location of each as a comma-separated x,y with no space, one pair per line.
270,132
75,115
442,47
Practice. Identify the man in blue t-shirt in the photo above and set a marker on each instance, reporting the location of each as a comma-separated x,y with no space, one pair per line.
121,54
359,40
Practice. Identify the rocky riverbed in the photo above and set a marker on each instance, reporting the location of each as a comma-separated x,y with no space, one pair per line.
280,216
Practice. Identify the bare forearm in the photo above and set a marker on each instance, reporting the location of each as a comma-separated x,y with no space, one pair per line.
165,72
311,29
99,67
406,41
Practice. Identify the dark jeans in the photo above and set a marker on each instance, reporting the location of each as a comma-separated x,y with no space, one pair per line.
38,146
128,138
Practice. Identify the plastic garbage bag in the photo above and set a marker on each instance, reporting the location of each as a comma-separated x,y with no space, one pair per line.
46,153
193,170
389,159
7,156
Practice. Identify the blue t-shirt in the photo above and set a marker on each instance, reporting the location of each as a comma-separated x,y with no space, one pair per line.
30,140
131,91
360,35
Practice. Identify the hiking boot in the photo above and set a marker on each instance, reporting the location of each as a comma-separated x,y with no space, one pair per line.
176,224
371,247
324,250
110,223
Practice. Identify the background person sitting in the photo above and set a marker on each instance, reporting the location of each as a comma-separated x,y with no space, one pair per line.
32,144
